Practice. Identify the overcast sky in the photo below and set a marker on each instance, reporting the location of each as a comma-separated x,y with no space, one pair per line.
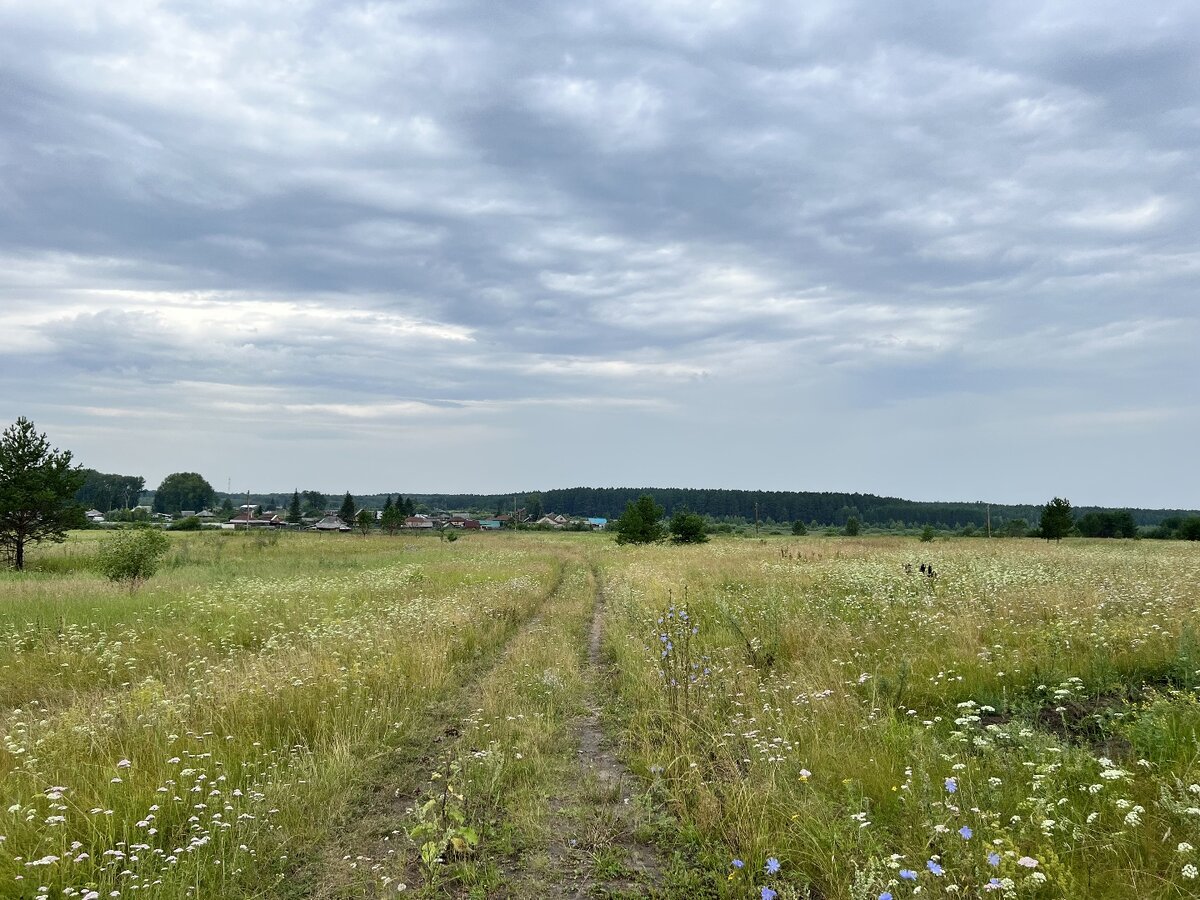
934,250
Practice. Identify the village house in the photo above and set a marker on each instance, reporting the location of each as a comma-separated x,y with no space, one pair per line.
331,522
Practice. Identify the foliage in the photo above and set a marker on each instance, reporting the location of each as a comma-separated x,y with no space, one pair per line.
1107,524
346,510
641,523
392,519
183,490
687,528
190,523
441,830
799,528
107,492
777,507
132,554
364,519
37,484
137,514
1015,528
295,512
1189,528
927,534
853,527
1057,520
314,502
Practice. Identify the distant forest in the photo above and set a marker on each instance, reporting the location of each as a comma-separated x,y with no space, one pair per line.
822,508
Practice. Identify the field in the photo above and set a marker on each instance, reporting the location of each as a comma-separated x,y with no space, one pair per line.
538,715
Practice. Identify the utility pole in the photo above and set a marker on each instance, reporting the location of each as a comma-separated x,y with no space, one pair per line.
989,519
756,518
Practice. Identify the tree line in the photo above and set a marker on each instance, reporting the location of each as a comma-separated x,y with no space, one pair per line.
822,508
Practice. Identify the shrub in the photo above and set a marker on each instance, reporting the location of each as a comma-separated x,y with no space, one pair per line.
133,554
191,523
927,534
687,528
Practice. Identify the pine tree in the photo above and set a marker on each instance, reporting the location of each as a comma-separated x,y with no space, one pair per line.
1057,520
294,513
346,512
37,485
641,523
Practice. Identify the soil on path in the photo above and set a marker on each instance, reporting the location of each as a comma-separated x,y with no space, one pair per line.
601,850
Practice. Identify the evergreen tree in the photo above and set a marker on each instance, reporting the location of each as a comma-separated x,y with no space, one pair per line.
294,512
346,512
37,485
1057,520
853,527
799,528
687,528
641,523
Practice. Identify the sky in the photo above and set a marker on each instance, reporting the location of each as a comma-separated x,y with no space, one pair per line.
941,251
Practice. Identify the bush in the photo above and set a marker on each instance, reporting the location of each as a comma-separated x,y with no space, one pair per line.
191,523
641,523
687,528
799,528
133,554
853,527
927,534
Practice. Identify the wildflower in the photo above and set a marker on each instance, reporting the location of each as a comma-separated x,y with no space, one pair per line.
1028,862
993,858
805,774
908,874
737,864
993,885
767,894
124,764
966,832
934,868
772,866
951,785
1185,847
1190,872
886,895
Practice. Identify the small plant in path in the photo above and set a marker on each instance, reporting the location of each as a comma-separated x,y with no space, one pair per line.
441,827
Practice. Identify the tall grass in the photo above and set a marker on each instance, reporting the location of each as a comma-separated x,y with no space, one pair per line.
1030,701
179,740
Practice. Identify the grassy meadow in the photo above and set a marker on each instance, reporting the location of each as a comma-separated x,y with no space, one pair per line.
303,715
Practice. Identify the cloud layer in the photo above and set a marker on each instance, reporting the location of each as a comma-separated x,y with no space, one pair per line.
942,252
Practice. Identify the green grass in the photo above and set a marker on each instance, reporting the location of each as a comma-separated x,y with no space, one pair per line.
265,716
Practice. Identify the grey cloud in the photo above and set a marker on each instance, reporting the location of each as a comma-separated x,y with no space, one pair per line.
687,215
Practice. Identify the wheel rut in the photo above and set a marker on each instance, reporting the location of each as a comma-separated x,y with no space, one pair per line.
599,850
376,831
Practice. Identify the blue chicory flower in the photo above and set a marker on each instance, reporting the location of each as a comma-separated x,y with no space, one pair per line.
934,867
767,894
993,859
951,785
966,832
908,874
772,866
